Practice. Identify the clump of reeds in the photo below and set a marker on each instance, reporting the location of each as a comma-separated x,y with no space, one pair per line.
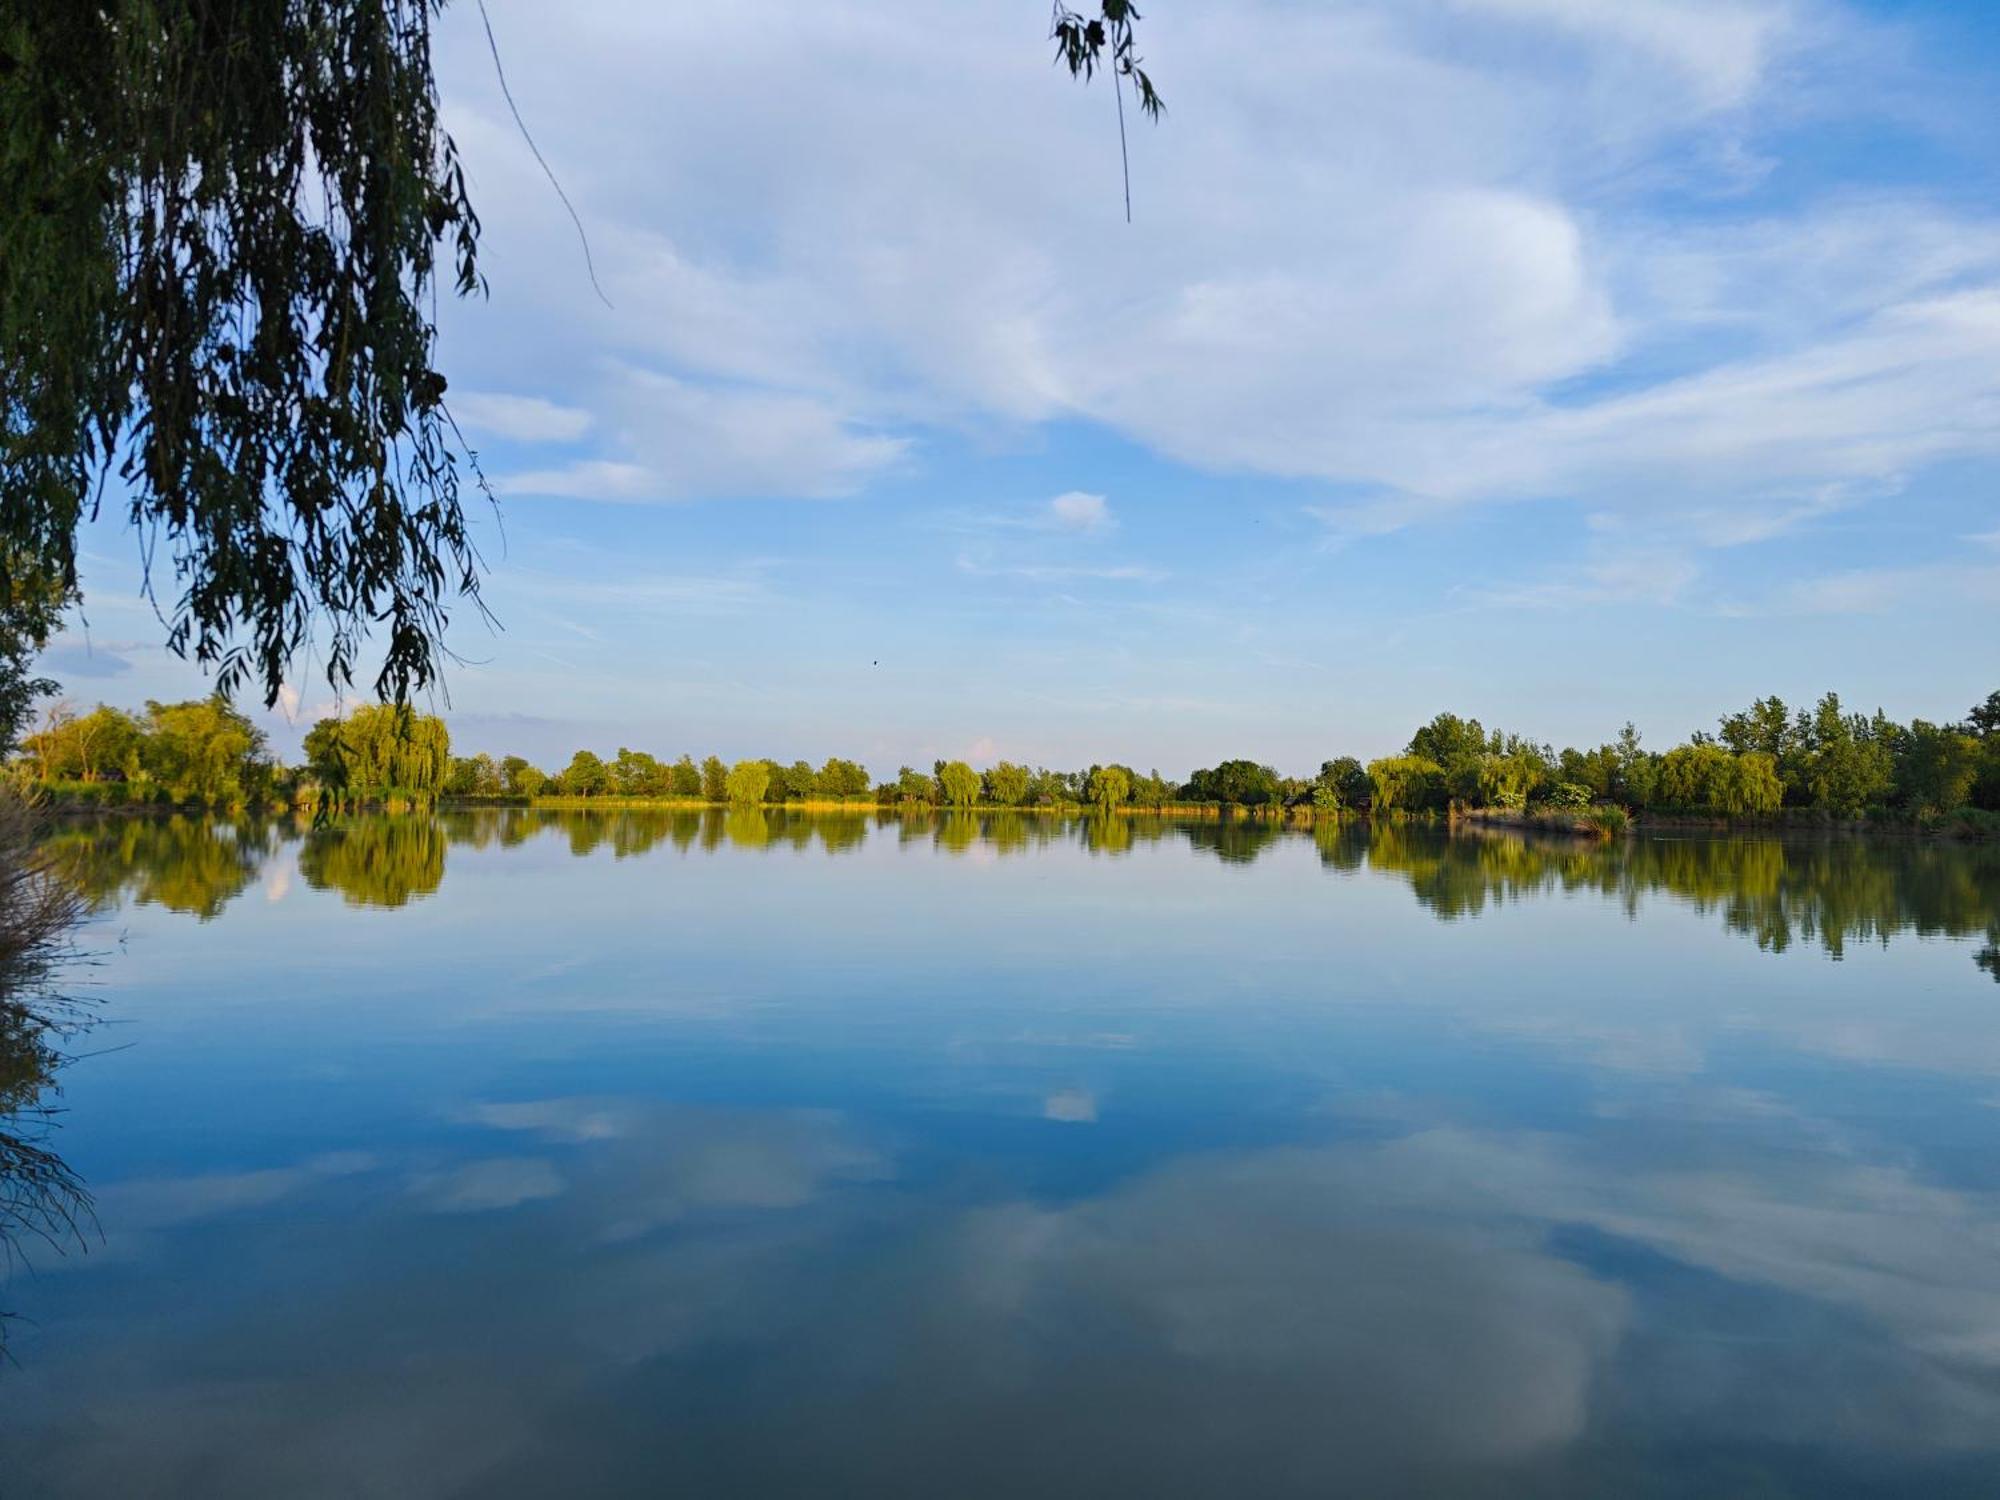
1607,820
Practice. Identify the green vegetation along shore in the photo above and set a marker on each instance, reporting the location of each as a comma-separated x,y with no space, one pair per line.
1764,764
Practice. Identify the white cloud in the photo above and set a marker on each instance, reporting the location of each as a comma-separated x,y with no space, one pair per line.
1719,47
522,419
1409,252
1077,511
688,441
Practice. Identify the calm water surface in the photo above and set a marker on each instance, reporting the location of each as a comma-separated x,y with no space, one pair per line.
513,1154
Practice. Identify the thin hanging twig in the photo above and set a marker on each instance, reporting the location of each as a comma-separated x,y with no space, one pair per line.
589,266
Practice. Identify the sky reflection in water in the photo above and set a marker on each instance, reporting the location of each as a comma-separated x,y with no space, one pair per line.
512,1153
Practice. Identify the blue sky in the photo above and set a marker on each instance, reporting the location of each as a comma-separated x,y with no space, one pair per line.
1555,361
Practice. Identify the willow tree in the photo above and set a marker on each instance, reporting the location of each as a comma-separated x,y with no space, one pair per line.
225,224
217,263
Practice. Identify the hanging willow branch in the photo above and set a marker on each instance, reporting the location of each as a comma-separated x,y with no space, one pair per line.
1081,44
220,230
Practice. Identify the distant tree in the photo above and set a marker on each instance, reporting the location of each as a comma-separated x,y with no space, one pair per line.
380,747
1241,783
801,782
714,780
514,774
1152,790
958,784
585,776
1984,720
1765,727
683,780
634,773
1007,785
72,747
841,779
1937,768
1406,783
201,751
1846,765
1108,787
913,786
747,782
1707,777
473,776
1451,742
1638,770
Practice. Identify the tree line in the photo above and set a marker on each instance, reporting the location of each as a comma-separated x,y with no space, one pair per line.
1759,761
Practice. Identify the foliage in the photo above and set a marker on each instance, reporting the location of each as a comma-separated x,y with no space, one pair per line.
584,776
714,780
377,748
1108,787
202,751
474,776
1406,783
747,782
1938,767
1708,778
842,779
1569,794
1241,783
217,276
958,784
31,606
1007,785
519,778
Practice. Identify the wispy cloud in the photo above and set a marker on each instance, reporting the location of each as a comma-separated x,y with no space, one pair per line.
1064,572
522,419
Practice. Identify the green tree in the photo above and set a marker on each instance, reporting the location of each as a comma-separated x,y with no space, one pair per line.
520,779
585,776
1846,766
1241,783
714,780
474,776
958,784
1765,727
1406,783
683,780
1984,720
1452,743
800,781
31,606
1937,768
223,298
842,779
200,751
380,747
747,782
634,773
1007,785
1109,787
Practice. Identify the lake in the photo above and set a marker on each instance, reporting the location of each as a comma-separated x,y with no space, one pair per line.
508,1153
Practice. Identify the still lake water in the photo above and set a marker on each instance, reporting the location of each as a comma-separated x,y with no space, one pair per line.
512,1154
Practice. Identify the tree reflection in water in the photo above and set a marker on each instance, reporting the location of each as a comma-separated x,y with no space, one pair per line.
195,866
384,861
41,1199
1832,891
